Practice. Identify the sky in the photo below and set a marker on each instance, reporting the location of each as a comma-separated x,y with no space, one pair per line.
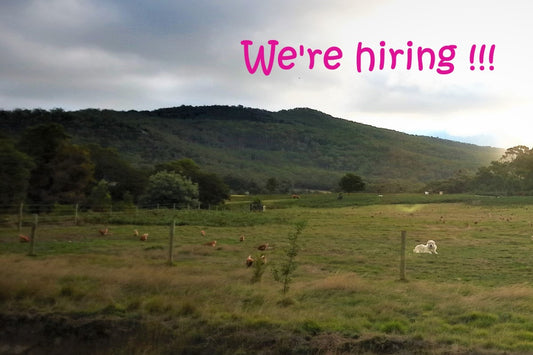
144,55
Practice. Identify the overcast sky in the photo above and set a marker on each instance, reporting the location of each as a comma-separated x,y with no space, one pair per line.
135,54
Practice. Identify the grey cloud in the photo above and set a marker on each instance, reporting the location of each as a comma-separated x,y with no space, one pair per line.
141,54
380,96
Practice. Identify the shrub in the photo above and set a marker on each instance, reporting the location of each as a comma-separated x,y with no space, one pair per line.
286,269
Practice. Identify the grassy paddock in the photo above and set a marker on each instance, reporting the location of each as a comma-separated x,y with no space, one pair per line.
475,295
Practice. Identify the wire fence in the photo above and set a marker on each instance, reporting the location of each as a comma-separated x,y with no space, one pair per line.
159,214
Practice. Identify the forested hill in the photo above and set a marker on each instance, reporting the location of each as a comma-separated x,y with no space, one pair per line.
304,147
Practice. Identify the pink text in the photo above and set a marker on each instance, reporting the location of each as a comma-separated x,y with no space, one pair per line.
287,56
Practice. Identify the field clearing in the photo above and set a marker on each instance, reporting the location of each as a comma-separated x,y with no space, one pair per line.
345,296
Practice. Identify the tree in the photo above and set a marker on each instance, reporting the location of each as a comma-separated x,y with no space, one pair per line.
351,183
212,189
15,173
272,185
283,272
459,183
241,185
513,153
169,188
62,170
125,181
72,172
511,174
100,198
42,141
184,167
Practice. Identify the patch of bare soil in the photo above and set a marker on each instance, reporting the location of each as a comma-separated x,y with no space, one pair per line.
80,335
56,334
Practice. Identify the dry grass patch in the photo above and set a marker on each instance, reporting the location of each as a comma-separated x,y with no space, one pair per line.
350,282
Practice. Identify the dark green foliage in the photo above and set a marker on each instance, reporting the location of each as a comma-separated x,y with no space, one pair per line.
42,141
184,167
351,183
72,171
512,174
62,171
241,185
14,174
100,199
272,185
461,182
211,188
124,179
170,189
256,205
306,148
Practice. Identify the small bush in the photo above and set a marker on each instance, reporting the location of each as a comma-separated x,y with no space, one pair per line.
187,309
478,319
393,327
253,302
286,302
311,327
156,305
259,266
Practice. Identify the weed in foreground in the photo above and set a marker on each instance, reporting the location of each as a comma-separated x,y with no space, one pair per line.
286,269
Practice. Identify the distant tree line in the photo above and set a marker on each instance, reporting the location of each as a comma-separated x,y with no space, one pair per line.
43,168
512,174
299,148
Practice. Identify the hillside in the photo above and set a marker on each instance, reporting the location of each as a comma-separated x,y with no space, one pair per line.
304,147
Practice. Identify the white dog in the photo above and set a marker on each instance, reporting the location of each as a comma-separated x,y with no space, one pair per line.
430,247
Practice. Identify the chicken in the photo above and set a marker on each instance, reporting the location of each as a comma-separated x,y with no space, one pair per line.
249,261
263,246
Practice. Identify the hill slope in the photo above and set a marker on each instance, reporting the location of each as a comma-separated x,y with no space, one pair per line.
307,148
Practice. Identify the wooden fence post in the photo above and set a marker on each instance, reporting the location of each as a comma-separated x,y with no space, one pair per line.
402,258
171,243
76,215
33,235
21,208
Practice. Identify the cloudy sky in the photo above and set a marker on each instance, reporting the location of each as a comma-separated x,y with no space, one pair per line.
135,54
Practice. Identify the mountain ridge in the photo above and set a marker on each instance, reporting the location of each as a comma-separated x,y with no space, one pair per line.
304,147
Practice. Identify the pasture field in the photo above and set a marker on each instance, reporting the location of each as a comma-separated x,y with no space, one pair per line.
84,292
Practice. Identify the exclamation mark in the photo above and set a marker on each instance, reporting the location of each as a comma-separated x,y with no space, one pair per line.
482,57
491,56
472,53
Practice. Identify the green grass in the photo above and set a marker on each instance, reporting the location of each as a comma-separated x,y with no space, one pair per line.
475,295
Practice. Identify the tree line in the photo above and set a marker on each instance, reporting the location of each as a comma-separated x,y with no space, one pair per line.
44,168
512,174
300,148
